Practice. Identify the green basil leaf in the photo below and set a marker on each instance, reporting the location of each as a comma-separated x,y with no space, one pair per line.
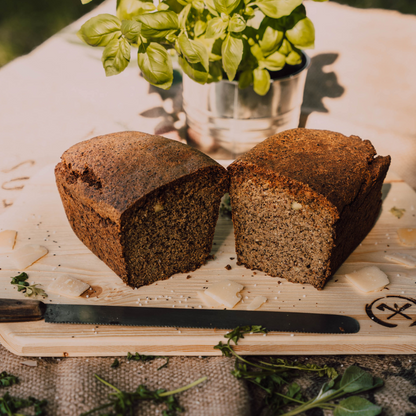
261,81
286,47
129,9
356,406
131,30
277,8
302,35
237,23
275,62
162,7
355,379
183,16
246,79
159,24
202,53
116,56
156,65
294,58
194,71
211,7
257,52
200,27
226,6
100,30
232,53
86,1
271,40
216,28
198,5
194,51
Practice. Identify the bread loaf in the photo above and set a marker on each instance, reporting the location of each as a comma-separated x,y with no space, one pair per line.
303,200
147,206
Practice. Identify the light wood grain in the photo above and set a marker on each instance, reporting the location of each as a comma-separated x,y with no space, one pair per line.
39,218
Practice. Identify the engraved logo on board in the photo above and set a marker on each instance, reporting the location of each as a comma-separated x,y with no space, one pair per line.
390,308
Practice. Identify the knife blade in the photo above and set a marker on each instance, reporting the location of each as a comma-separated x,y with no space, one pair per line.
30,310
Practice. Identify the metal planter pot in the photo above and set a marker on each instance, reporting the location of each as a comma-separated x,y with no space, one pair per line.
221,117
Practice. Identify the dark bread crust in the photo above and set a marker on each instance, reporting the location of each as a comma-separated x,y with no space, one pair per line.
106,182
339,174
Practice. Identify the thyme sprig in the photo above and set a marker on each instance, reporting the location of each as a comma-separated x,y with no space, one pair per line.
23,286
273,377
124,403
7,380
10,406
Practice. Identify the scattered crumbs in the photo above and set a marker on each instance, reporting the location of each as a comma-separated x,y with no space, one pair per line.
292,335
232,258
254,273
398,212
228,267
200,306
189,276
275,297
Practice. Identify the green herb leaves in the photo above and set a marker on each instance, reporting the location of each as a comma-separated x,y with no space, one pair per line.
214,39
277,8
116,56
7,380
156,65
23,286
124,403
354,380
159,25
273,378
9,406
100,30
232,53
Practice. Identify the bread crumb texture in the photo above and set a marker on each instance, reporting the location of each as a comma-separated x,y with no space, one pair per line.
302,200
145,205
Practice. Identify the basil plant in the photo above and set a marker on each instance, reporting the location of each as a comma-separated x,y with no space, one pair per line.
242,40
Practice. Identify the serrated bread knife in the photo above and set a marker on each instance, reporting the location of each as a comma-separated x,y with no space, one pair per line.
12,310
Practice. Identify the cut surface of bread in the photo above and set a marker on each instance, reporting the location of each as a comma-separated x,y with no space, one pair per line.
302,201
145,205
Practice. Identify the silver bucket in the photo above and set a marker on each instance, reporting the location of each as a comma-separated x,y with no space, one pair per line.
223,119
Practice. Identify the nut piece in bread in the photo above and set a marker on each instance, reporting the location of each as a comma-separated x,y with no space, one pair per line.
303,200
146,205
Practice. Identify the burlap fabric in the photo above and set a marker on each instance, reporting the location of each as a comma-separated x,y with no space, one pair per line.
69,386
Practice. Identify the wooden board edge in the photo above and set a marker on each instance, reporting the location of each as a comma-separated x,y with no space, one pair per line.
204,346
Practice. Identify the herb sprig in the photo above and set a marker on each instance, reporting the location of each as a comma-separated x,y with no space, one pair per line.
7,380
23,286
9,406
124,403
273,378
144,358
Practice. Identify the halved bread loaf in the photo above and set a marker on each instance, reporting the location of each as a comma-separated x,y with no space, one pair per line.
303,200
145,205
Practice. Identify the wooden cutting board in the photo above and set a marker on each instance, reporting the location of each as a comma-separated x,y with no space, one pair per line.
39,218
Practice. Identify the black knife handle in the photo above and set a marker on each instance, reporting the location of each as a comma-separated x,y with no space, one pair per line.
14,310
